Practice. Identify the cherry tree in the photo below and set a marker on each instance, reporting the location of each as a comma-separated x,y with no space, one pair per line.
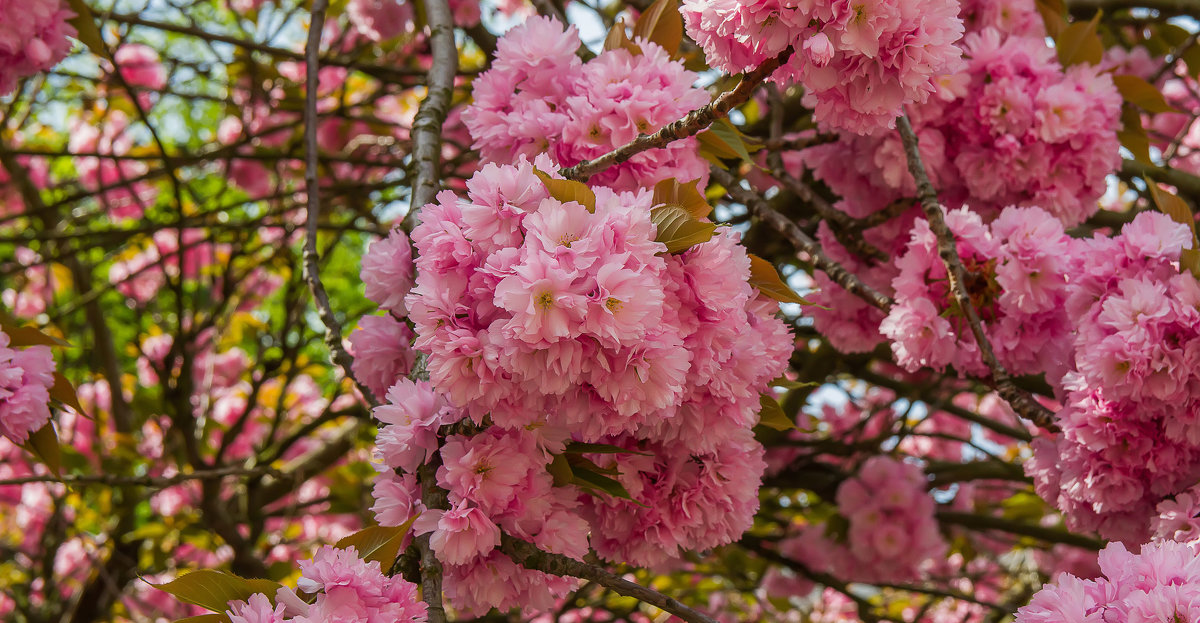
683,310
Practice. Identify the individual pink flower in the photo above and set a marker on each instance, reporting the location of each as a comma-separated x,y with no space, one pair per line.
459,534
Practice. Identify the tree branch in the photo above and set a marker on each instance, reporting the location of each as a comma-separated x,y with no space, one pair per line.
1020,400
427,126
530,557
689,125
761,209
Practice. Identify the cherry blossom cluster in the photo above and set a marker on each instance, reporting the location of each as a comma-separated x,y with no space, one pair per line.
26,376
1017,279
344,588
538,97
859,62
33,38
382,345
891,535
1011,127
1161,583
1130,436
557,324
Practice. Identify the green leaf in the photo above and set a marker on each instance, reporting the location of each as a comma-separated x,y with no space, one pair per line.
1133,136
1191,57
1053,12
64,392
579,447
722,131
678,230
661,23
617,39
1170,204
212,589
766,279
670,191
589,479
378,543
19,337
1189,260
1142,94
85,28
560,469
43,443
771,414
1079,43
569,190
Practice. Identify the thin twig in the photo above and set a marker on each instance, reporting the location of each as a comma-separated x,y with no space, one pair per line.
530,557
312,276
691,124
1020,400
157,482
802,241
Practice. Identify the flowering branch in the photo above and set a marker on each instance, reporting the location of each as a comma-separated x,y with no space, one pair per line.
427,126
691,124
802,241
1020,400
530,557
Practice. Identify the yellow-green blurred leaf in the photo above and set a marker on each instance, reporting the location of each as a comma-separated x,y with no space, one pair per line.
212,589
63,391
43,443
1133,136
1170,204
1053,16
378,543
617,39
19,337
766,279
670,191
1079,43
771,414
1142,94
85,28
678,229
569,190
661,23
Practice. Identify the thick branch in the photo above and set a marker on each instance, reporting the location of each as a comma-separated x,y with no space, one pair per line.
689,125
427,126
761,209
431,568
530,557
1021,401
987,522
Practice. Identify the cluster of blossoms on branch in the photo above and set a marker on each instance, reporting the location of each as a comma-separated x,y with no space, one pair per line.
1130,437
538,97
891,534
1161,583
859,62
343,587
556,323
1017,281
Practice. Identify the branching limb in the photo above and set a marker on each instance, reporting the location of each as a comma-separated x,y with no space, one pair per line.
1020,400
689,125
530,557
802,241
